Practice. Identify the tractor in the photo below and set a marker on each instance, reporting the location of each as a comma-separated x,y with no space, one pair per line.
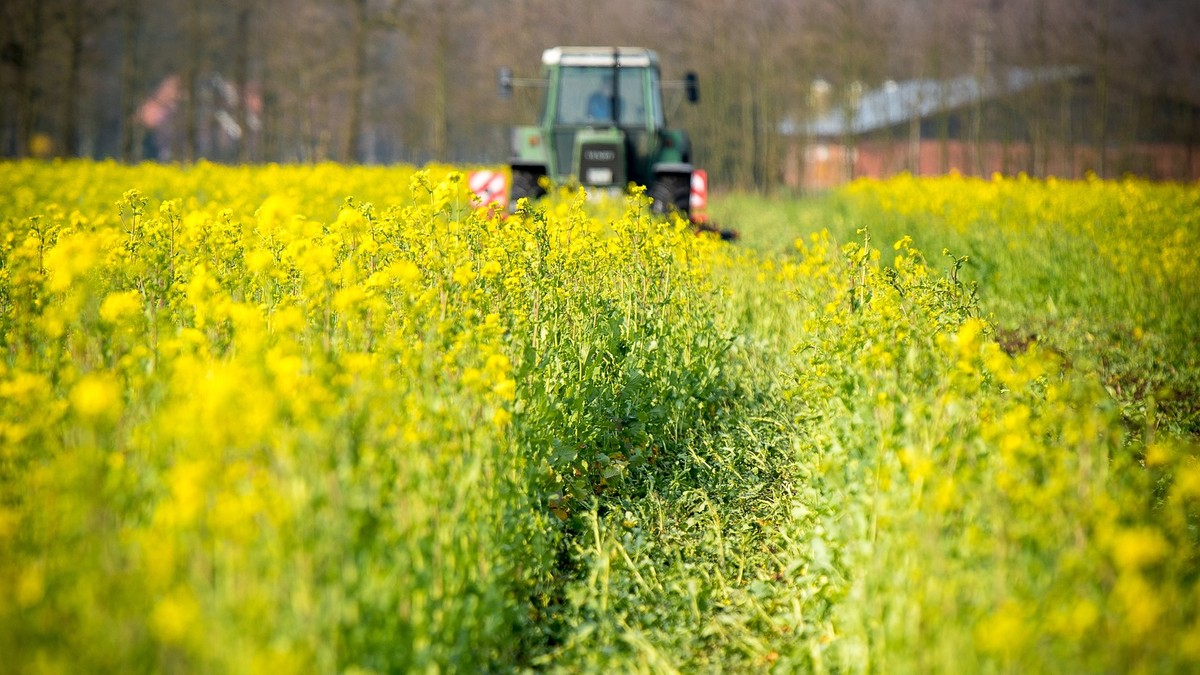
603,125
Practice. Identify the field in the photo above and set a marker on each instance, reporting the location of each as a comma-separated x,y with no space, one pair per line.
330,419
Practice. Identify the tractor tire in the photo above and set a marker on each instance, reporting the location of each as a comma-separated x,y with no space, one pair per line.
525,184
671,193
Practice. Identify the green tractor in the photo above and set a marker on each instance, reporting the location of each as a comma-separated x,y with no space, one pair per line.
603,125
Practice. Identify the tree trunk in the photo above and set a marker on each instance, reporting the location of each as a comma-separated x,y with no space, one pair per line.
131,17
352,140
75,34
241,75
440,112
25,59
1103,72
190,88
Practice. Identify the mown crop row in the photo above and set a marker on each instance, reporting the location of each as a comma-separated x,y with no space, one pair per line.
248,422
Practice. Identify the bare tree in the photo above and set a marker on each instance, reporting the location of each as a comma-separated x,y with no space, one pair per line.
193,38
131,17
244,13
360,28
23,51
367,80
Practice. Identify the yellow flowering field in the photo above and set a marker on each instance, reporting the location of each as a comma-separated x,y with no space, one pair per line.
336,419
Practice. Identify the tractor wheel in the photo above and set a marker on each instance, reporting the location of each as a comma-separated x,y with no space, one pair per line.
525,184
671,192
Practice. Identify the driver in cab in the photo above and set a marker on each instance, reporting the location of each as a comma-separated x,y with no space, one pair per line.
599,106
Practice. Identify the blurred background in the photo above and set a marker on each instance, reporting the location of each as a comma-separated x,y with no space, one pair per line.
796,95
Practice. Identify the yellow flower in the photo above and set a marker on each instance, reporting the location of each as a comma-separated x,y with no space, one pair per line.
1137,547
119,305
464,274
188,490
498,365
347,299
945,495
506,389
405,272
471,377
274,213
174,615
97,396
350,219
10,520
1075,620
968,338
1187,482
258,260
490,269
1158,454
1141,604
71,258
31,585
501,418
1007,630
287,319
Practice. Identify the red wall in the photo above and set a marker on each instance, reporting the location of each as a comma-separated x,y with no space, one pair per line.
822,166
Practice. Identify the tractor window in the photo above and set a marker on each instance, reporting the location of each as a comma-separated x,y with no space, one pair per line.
656,109
585,96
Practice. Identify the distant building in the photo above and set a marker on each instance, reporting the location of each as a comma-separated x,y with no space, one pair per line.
1043,122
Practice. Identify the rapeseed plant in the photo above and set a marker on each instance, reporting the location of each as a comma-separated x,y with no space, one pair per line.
248,423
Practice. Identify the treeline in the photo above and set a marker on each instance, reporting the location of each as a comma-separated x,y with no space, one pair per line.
376,81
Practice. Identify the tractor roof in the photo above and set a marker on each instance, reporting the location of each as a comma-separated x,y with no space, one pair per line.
599,56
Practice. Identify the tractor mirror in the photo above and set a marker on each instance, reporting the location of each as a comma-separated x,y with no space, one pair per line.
504,82
692,85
